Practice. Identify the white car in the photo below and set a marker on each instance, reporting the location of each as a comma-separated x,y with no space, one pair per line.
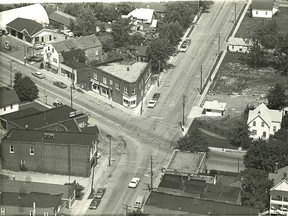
134,182
67,32
152,103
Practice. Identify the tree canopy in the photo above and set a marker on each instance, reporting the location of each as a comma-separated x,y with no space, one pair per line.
240,135
255,188
25,88
193,142
173,31
120,32
277,98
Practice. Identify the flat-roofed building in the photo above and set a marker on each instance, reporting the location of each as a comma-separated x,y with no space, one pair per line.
214,108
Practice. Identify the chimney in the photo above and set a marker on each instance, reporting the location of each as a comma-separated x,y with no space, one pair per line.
128,68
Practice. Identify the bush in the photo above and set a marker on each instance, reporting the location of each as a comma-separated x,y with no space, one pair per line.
79,191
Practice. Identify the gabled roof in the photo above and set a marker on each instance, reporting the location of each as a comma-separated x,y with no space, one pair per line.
8,96
60,137
145,14
28,26
262,4
268,115
72,55
61,17
85,42
278,175
33,12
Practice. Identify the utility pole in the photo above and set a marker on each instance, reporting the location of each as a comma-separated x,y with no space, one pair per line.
92,190
11,74
235,13
238,166
71,96
219,44
151,174
158,72
110,149
201,74
183,106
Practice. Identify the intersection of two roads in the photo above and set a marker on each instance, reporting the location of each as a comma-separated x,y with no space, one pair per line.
155,131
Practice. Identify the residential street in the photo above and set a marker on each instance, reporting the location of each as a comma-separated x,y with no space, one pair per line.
156,131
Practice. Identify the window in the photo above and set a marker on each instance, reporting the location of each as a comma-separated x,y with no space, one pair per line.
262,124
133,91
4,108
55,60
50,37
31,150
104,80
48,48
11,149
2,211
111,82
256,12
95,76
117,86
265,12
133,102
52,50
254,132
11,106
254,123
97,52
22,162
264,134
42,39
125,90
45,213
274,128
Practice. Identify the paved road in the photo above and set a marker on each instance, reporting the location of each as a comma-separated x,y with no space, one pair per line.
151,133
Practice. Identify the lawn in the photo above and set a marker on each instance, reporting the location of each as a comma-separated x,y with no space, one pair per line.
249,23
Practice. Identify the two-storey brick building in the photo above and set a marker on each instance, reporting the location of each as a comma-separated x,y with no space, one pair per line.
122,82
58,152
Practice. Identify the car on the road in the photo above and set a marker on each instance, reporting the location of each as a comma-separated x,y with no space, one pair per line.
185,45
38,74
152,103
100,193
35,58
156,96
134,182
57,103
95,203
60,84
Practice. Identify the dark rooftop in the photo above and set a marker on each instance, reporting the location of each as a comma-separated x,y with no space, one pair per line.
42,118
262,4
61,17
30,26
8,96
63,137
73,55
20,114
42,200
196,206
75,65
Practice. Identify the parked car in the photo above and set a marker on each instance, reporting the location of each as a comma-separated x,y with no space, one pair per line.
35,58
67,32
57,103
95,203
184,46
60,84
156,96
134,182
152,103
38,46
100,193
38,74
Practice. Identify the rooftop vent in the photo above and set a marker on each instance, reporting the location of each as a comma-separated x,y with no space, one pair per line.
128,68
49,136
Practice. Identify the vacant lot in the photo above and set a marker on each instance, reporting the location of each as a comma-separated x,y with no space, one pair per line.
249,23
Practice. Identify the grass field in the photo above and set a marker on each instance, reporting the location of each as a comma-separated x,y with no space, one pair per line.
249,23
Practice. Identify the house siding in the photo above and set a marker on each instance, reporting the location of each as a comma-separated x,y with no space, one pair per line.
93,53
260,130
7,109
48,157
262,13
238,48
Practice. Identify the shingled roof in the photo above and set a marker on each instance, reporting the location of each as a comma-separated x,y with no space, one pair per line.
262,4
8,96
22,25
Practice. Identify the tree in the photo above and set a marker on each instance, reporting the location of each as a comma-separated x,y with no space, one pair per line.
173,31
125,8
136,213
281,135
193,142
256,56
284,123
85,21
255,188
264,155
25,88
120,32
159,51
276,97
246,111
240,135
136,39
79,191
183,12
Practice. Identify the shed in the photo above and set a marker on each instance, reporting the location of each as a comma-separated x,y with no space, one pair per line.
214,108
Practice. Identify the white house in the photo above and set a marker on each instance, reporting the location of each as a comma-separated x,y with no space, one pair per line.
279,192
214,108
34,12
9,101
264,122
239,45
142,18
262,8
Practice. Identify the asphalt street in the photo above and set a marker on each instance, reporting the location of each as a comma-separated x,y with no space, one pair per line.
156,131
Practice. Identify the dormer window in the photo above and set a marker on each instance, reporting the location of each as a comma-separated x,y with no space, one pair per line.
254,123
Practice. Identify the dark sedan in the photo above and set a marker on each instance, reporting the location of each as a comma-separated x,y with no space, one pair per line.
60,84
95,203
